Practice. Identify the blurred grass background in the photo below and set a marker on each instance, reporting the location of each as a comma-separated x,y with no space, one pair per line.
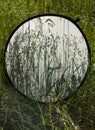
20,113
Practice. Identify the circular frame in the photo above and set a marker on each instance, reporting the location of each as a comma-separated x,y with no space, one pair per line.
60,16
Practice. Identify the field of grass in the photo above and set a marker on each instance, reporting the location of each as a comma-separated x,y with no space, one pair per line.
18,112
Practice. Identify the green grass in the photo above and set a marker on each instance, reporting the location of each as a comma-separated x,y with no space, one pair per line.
18,112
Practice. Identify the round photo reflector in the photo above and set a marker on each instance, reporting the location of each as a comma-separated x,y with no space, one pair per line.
47,57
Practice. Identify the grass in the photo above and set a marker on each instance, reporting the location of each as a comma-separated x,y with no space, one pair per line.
44,117
18,112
